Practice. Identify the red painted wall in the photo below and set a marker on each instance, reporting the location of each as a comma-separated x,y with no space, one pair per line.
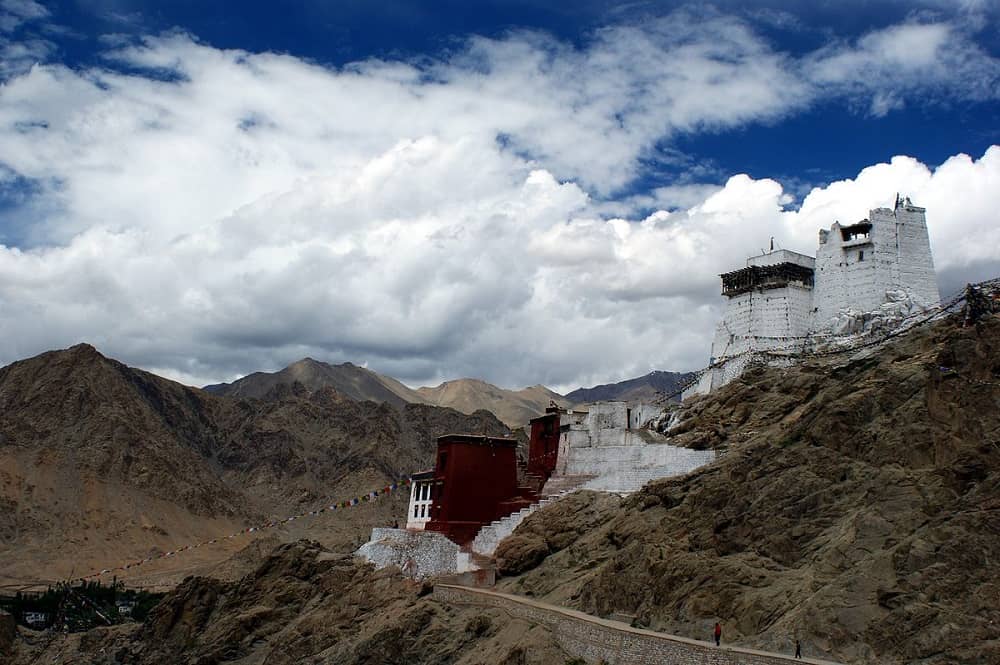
544,444
473,475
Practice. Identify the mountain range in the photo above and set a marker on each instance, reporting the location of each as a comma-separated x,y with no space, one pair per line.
357,383
102,463
513,407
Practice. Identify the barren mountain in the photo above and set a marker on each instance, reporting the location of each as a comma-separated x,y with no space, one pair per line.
514,407
856,506
649,388
357,383
101,464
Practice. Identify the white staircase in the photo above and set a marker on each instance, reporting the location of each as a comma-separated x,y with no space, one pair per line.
486,541
489,536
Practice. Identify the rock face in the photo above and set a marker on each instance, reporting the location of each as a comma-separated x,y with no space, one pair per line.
305,605
553,529
856,507
648,388
102,464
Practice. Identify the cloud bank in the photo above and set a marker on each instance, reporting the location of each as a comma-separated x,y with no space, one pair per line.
205,212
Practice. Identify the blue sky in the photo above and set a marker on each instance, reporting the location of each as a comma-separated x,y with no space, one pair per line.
796,149
524,192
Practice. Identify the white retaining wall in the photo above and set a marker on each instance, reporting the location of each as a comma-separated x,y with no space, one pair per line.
419,554
597,640
625,469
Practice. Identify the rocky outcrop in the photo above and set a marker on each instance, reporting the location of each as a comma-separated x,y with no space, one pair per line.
305,606
553,529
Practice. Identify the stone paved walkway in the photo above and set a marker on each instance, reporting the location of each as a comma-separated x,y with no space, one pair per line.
592,638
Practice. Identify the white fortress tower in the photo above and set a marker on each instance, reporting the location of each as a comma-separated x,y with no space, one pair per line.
861,267
865,275
769,308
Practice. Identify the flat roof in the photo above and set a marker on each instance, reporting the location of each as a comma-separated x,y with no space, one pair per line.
778,256
477,440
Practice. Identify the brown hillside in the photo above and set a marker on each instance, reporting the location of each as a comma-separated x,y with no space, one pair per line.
856,507
514,407
101,464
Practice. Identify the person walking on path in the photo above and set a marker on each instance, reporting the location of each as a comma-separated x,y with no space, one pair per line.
798,650
718,633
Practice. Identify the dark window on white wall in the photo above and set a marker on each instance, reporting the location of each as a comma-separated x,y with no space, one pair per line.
861,255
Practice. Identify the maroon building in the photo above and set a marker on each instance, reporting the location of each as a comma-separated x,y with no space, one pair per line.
475,482
543,446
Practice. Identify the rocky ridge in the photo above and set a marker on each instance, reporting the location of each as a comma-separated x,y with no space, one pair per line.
357,383
513,407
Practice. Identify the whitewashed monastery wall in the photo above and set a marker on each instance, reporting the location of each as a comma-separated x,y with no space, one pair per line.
609,445
625,469
771,320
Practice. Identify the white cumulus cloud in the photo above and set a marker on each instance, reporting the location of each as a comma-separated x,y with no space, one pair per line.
210,212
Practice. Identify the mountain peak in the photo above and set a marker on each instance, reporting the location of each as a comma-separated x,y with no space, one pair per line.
348,379
84,350
647,388
307,361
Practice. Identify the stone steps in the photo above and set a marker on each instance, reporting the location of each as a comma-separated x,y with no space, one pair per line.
486,541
